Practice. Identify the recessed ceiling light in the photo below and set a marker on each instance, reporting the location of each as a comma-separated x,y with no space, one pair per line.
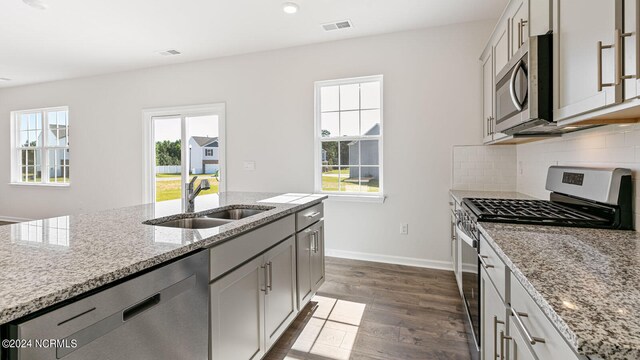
38,4
169,52
290,7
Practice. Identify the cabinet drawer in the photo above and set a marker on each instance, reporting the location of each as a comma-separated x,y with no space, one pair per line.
494,266
309,216
234,252
535,323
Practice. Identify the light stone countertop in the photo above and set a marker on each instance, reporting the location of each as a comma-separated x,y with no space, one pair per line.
44,262
586,281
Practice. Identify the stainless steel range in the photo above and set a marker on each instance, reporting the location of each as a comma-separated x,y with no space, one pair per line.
580,197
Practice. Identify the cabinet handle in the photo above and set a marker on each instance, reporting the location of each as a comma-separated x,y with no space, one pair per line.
483,263
270,286
503,337
495,336
619,53
521,26
266,279
531,339
312,215
618,60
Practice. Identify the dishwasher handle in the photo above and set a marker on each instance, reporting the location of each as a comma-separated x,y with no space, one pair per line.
141,307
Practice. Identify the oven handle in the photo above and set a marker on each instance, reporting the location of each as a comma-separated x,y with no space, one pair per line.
512,86
464,236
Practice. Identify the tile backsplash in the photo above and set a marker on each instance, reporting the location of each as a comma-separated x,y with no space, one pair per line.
607,146
491,168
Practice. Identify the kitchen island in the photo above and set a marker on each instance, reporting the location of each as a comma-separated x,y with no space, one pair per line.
46,263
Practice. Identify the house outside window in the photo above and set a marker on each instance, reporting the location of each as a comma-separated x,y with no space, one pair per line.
40,141
349,133
208,152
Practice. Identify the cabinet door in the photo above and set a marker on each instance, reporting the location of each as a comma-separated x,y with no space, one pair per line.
577,62
519,25
501,48
280,299
630,45
487,95
518,348
494,314
317,257
237,313
303,259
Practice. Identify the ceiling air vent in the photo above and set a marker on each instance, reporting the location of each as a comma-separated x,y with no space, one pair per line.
345,24
170,52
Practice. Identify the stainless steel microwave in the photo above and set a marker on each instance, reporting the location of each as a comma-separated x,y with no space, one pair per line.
524,90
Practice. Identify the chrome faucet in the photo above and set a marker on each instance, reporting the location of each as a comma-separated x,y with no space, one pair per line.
189,200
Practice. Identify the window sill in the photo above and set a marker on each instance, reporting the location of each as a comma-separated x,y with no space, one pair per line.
57,186
376,199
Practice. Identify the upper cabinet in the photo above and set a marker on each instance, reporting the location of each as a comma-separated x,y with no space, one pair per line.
519,25
588,56
519,21
596,60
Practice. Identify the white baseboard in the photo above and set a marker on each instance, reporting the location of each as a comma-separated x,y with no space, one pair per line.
13,219
389,259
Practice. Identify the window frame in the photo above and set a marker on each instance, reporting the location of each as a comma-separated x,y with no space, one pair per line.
16,167
318,140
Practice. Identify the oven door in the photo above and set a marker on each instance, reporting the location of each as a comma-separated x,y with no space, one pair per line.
470,284
512,97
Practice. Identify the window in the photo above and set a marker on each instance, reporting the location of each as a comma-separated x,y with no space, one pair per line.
208,152
41,146
349,136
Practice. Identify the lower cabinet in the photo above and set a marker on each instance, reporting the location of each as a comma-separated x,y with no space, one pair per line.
494,314
237,314
280,295
253,305
518,348
310,259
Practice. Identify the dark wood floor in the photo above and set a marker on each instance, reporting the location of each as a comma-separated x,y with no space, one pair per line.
377,311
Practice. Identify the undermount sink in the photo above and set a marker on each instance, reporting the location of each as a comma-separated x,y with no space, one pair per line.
194,223
209,219
234,214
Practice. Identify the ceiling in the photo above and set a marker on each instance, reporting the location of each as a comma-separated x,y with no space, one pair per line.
74,38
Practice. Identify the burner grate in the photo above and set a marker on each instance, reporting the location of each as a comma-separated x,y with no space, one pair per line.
529,210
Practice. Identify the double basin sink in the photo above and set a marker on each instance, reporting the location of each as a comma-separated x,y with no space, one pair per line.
208,219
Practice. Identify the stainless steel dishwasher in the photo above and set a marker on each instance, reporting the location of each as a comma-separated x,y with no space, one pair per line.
162,314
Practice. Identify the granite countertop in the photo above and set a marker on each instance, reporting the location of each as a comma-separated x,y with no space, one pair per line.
587,282
44,262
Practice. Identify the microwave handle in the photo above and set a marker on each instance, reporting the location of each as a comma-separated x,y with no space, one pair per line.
512,86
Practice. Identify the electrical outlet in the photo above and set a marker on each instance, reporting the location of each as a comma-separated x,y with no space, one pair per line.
404,229
249,165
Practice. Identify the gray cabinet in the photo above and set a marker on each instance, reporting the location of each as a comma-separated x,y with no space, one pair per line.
317,256
237,313
253,305
280,294
310,261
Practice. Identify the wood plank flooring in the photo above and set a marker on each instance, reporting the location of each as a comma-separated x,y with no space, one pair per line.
378,311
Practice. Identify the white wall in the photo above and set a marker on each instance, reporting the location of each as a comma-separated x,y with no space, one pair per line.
608,146
432,87
486,168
